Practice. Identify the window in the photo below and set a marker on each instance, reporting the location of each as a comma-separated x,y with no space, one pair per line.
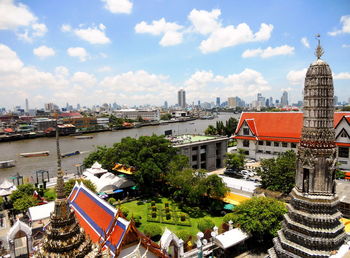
194,157
203,157
284,144
293,145
268,143
246,153
245,131
195,166
343,152
259,151
195,148
261,142
276,144
268,152
245,143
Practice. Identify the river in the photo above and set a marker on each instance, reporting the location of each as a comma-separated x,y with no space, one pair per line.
27,166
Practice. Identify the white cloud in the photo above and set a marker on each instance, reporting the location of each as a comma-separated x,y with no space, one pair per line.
118,6
169,30
18,17
104,69
61,71
83,79
14,15
9,60
206,85
93,35
269,52
43,51
345,45
78,52
345,21
305,42
230,36
342,76
297,77
66,28
203,21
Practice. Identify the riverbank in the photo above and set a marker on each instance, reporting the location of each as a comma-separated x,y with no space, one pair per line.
38,134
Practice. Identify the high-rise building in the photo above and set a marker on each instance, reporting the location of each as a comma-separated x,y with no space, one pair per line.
284,99
27,106
181,96
166,104
218,101
311,228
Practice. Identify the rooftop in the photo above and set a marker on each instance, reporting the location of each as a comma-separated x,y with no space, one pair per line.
185,139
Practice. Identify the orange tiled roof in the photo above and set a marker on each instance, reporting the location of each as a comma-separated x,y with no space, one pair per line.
278,126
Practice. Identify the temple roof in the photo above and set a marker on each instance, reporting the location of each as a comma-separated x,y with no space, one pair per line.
278,126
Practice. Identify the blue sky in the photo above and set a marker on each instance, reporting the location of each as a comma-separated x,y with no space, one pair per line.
142,52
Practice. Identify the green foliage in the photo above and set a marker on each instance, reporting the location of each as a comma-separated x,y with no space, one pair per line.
204,224
165,116
235,161
22,191
228,129
278,174
152,157
345,108
25,202
260,216
339,174
111,200
228,217
125,211
183,234
68,186
152,230
50,194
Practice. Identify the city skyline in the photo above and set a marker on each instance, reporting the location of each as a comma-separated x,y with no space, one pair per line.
132,52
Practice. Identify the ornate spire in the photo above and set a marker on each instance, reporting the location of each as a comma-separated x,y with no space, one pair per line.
319,50
60,182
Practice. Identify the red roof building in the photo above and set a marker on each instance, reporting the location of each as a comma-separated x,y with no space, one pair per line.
266,134
108,227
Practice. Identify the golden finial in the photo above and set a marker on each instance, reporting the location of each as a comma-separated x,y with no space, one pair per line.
319,50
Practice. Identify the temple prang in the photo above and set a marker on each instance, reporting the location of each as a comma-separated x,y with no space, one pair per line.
311,228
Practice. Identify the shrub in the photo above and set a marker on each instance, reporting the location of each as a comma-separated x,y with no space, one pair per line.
152,230
228,217
183,217
137,220
168,216
204,224
183,234
154,208
154,215
140,203
111,200
166,204
167,209
194,212
125,211
153,203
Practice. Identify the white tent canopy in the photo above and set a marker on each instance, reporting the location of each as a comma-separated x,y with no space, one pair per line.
96,168
231,238
108,182
7,187
41,212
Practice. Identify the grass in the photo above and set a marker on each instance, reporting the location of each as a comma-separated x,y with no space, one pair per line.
138,209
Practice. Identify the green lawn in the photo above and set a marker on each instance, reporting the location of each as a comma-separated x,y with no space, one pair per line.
141,210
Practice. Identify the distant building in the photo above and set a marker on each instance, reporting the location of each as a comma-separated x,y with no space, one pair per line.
103,122
218,101
284,99
134,114
181,96
27,106
166,104
43,123
203,152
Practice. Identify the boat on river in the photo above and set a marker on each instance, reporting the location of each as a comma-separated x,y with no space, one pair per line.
84,137
35,154
73,153
7,164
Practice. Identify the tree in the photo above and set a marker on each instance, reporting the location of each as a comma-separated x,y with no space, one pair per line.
215,187
152,230
204,224
259,216
235,161
211,130
228,129
25,202
165,116
278,174
68,186
339,174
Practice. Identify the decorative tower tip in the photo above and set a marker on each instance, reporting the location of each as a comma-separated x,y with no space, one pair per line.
319,50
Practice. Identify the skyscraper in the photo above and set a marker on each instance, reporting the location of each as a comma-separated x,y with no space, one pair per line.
311,228
218,101
181,96
284,99
27,106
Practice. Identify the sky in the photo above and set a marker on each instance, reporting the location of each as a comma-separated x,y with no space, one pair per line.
136,52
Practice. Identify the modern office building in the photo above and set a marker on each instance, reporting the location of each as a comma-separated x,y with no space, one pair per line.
135,114
203,152
284,99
